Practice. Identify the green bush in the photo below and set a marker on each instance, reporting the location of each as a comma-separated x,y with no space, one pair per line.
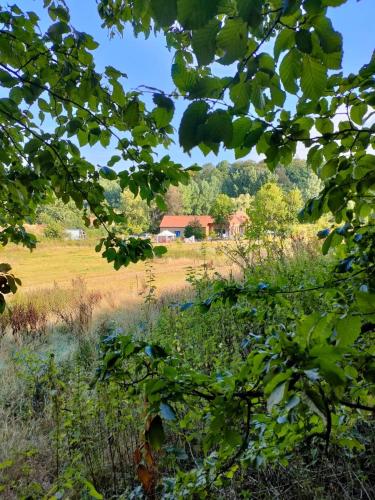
54,230
258,369
195,229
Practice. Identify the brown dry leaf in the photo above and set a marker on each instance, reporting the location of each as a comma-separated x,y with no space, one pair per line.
145,477
137,456
148,456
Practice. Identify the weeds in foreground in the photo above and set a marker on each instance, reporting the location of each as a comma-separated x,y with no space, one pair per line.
63,435
28,319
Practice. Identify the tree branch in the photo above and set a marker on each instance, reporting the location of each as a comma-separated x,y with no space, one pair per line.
357,406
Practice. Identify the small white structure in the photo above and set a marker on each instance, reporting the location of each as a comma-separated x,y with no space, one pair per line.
165,237
190,240
75,234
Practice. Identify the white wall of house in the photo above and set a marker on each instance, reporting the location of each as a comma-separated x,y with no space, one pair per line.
175,230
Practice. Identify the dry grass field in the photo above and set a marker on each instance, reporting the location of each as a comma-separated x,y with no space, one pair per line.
59,263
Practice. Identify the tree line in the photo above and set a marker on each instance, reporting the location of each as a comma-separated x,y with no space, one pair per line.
215,190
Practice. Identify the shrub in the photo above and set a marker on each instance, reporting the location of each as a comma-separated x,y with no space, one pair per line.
54,230
195,229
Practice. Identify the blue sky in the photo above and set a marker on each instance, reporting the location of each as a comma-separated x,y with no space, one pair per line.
149,61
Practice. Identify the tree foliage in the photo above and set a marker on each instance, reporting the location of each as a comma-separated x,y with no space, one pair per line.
67,215
273,211
243,177
136,213
308,375
54,102
221,210
195,229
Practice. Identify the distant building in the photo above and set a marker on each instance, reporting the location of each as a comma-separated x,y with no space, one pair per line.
165,236
75,234
236,225
177,223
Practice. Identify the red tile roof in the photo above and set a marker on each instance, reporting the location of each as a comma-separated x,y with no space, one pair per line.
238,218
185,220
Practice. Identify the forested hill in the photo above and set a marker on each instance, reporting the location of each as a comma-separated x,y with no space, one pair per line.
241,179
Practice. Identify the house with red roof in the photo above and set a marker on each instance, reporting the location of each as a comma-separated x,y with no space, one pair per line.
177,223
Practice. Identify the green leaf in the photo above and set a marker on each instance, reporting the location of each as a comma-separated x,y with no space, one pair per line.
351,443
55,31
112,72
7,80
336,199
357,112
277,395
241,127
60,13
324,125
303,41
159,250
108,173
315,402
240,94
6,463
254,135
32,146
194,116
218,127
329,169
333,3
114,159
185,79
118,94
284,40
155,433
250,11
266,63
74,125
164,11
163,114
232,40
46,160
204,42
160,202
313,78
132,114
232,437
331,241
348,330
365,302
194,14
207,87
257,95
330,40
290,70
9,106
